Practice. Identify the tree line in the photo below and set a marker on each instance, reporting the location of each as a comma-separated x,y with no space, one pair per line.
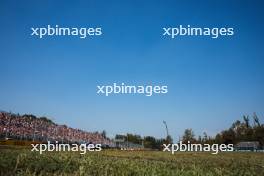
249,128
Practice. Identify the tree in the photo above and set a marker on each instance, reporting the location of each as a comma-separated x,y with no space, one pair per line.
259,134
242,131
120,137
150,142
136,139
228,137
246,119
169,140
103,134
256,119
153,143
218,139
205,137
188,136
200,140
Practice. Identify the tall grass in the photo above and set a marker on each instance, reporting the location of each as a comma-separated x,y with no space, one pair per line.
118,163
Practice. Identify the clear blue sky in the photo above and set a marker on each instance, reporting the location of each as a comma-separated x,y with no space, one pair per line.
211,82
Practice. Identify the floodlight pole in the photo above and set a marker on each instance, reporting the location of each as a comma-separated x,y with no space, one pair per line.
167,131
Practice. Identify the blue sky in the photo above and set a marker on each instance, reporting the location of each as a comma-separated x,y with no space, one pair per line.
211,82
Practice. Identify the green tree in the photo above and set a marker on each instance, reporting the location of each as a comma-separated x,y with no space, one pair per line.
246,119
169,140
256,120
188,136
103,134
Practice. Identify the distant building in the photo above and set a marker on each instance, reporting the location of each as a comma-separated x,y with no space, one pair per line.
125,145
248,146
119,143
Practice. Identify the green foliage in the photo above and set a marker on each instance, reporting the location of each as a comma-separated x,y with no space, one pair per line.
239,131
103,134
243,131
188,136
149,142
136,139
169,140
153,143
45,119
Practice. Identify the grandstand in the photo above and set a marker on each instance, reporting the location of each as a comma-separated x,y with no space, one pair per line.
31,128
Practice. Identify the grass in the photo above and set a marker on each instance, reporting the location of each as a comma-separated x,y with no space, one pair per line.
133,163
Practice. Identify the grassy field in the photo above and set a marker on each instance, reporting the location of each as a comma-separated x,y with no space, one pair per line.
135,163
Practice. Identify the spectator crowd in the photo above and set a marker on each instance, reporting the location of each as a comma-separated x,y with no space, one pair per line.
29,127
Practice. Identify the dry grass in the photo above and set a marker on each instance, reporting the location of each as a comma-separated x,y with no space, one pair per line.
113,162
